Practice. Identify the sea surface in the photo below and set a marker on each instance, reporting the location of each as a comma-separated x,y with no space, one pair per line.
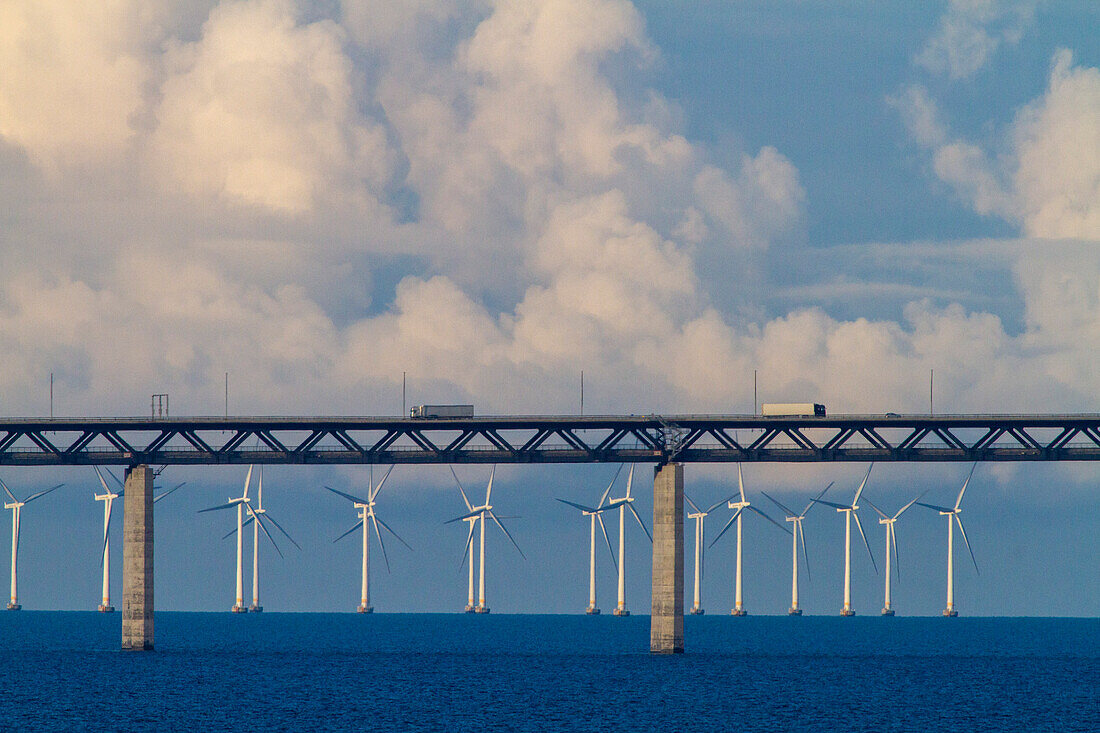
442,672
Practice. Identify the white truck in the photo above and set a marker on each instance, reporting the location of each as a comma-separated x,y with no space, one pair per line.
442,411
792,409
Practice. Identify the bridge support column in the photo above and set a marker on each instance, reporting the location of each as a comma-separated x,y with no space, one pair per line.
666,630
137,560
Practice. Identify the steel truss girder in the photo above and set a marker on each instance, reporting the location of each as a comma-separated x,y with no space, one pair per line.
650,439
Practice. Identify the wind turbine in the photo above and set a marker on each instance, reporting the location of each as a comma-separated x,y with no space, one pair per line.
739,507
244,503
594,514
799,535
954,513
15,505
480,513
891,542
698,515
623,503
367,517
849,510
108,497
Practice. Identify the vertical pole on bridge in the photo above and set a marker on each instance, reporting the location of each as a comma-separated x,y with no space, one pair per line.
137,560
666,629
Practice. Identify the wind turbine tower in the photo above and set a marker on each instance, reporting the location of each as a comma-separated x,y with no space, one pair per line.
243,504
623,503
108,498
953,514
849,511
368,517
891,543
797,536
594,515
483,512
699,515
739,507
15,505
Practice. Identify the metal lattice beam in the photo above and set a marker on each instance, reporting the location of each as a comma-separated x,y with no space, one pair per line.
632,438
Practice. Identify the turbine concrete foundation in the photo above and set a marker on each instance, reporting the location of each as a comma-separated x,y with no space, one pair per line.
592,611
696,611
794,612
105,609
137,560
666,629
365,609
14,606
887,612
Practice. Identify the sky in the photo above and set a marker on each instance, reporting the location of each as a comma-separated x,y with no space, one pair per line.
491,197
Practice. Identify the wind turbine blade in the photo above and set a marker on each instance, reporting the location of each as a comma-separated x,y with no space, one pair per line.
349,497
614,562
354,527
489,488
247,481
963,531
640,522
862,484
690,503
805,554
8,491
260,489
267,516
765,516
106,538
607,491
381,483
582,507
233,531
113,476
469,539
740,483
897,557
32,497
963,489
900,511
877,510
933,506
730,522
378,534
460,489
232,503
816,499
629,480
773,500
390,530
727,500
178,486
829,503
866,544
506,532
99,475
468,515
260,523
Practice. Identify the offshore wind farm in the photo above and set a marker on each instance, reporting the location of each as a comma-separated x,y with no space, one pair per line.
544,365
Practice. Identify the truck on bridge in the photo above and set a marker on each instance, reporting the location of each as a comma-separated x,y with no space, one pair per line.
442,411
792,409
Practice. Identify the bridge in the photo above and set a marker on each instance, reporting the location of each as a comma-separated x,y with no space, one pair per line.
547,439
666,441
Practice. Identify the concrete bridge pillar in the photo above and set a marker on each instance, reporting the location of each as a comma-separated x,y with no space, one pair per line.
137,560
666,630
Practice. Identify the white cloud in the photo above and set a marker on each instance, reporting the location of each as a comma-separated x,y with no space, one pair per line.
970,32
73,76
260,111
1047,178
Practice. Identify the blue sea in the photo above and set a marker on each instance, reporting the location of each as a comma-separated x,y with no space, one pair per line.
310,671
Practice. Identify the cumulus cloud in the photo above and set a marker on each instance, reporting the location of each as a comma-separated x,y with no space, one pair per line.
970,32
73,77
260,111
1047,177
543,219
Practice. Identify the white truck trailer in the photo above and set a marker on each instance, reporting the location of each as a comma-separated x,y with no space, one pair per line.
442,411
792,409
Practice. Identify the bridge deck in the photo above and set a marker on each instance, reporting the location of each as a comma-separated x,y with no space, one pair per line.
547,439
